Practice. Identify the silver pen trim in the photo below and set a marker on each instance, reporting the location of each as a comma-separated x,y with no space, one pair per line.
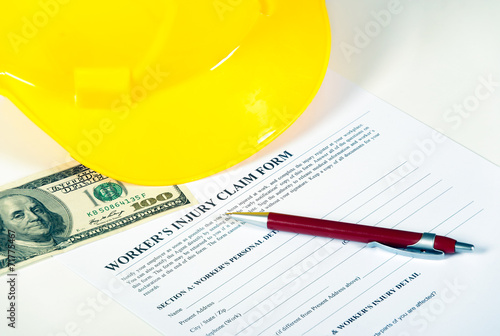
254,218
463,247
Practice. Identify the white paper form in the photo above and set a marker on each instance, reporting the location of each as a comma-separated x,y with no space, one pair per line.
353,158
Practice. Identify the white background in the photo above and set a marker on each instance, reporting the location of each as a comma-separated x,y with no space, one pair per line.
428,57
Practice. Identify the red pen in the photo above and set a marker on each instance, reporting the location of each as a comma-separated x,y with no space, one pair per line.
422,245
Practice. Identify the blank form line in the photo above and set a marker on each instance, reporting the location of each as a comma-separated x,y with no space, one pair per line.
434,228
269,267
379,193
423,206
312,297
320,277
276,277
411,200
273,308
340,263
285,285
366,188
373,270
468,219
411,186
314,326
246,269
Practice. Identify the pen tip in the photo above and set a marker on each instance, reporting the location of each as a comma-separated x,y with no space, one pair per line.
463,247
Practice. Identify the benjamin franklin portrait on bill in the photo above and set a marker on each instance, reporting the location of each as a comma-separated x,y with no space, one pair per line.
34,226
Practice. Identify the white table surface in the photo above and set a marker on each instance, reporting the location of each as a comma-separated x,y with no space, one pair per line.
428,58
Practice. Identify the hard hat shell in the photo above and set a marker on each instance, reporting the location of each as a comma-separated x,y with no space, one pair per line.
160,92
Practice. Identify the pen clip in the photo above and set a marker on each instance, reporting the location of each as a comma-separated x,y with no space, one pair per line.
423,249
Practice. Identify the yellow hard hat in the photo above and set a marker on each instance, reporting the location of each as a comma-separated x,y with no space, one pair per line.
160,92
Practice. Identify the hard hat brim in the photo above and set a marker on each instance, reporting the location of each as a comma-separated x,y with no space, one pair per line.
209,122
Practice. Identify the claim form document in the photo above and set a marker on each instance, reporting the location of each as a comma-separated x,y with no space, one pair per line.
351,157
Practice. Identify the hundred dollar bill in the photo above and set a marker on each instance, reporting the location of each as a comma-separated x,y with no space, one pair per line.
72,205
